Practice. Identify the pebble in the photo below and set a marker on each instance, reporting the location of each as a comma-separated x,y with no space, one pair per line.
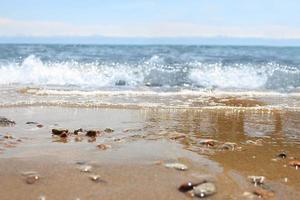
104,146
92,133
6,122
228,146
85,168
256,142
76,132
282,155
39,126
109,130
295,163
204,190
96,178
31,179
208,142
185,187
59,131
8,136
32,123
257,180
261,193
178,166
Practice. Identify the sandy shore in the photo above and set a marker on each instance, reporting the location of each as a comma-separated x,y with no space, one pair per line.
142,142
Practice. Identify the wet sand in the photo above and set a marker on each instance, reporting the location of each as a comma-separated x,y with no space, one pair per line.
142,141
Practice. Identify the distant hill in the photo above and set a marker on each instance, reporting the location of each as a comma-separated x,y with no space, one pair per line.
150,41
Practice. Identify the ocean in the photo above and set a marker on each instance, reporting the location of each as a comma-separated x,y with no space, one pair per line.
168,76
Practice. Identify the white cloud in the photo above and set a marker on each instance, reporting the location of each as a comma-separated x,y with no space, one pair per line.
9,27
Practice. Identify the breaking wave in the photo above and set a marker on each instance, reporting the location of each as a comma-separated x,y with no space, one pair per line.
153,72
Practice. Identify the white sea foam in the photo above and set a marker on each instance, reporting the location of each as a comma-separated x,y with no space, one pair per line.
216,76
34,71
153,72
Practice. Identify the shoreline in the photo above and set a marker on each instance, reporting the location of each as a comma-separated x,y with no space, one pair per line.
142,141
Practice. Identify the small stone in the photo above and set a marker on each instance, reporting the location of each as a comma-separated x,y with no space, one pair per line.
81,162
204,190
8,136
76,132
85,168
59,131
96,178
32,123
257,142
228,146
282,155
104,146
92,133
6,122
31,179
295,163
39,126
178,166
185,187
257,180
208,142
265,194
109,130
176,136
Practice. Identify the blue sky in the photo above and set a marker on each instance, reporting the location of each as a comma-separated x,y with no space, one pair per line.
151,18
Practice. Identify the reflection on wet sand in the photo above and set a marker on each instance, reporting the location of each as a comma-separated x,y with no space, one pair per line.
230,144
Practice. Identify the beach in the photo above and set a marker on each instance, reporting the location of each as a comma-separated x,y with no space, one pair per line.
149,122
133,166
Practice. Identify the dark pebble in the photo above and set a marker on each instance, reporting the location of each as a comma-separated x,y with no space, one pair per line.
92,133
59,131
282,155
6,122
78,131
